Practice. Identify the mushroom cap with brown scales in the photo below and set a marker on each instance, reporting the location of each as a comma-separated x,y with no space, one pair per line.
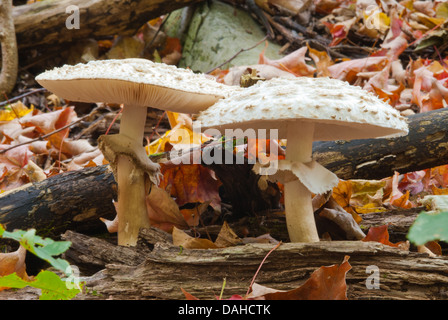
339,110
136,82
303,110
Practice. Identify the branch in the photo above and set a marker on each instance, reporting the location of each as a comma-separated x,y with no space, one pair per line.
10,59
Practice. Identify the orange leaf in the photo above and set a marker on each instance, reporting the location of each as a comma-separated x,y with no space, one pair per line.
381,234
326,283
438,191
322,61
191,183
188,296
348,70
339,31
342,194
392,97
293,62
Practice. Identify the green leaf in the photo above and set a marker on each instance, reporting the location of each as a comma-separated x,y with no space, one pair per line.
44,248
428,227
52,287
433,38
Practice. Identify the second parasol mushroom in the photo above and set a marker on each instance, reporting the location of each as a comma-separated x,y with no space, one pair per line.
137,84
304,110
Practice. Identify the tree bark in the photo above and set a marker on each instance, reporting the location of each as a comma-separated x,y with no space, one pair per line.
156,275
156,269
44,23
426,146
10,59
72,200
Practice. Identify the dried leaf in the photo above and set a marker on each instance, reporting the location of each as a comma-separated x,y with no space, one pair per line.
182,239
293,62
326,283
13,262
227,237
381,234
191,183
163,212
188,296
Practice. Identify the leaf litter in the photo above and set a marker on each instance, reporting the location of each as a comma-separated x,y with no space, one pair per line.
36,144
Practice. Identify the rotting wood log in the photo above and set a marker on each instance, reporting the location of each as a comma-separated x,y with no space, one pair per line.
44,23
71,200
166,268
156,269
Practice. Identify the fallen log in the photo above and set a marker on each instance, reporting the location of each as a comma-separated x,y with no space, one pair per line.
151,270
73,200
51,22
402,274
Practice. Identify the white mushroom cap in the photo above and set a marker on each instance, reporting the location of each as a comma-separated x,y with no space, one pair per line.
137,82
340,111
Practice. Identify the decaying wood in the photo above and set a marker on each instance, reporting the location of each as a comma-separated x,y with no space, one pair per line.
10,58
61,202
45,22
166,268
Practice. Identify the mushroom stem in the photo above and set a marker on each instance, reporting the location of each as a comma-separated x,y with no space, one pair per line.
298,201
132,214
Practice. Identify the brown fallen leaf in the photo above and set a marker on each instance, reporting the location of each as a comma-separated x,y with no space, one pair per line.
381,234
227,237
326,283
163,211
13,262
185,241
432,248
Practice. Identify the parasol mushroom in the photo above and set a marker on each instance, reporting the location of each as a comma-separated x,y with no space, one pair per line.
137,84
304,110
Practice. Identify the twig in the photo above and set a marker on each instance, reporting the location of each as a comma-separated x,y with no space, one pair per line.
158,30
236,54
4,103
253,7
259,267
45,135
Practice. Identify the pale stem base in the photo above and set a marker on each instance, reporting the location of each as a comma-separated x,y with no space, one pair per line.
298,200
132,214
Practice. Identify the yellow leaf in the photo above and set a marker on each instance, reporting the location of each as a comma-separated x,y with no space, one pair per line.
442,10
370,208
15,110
